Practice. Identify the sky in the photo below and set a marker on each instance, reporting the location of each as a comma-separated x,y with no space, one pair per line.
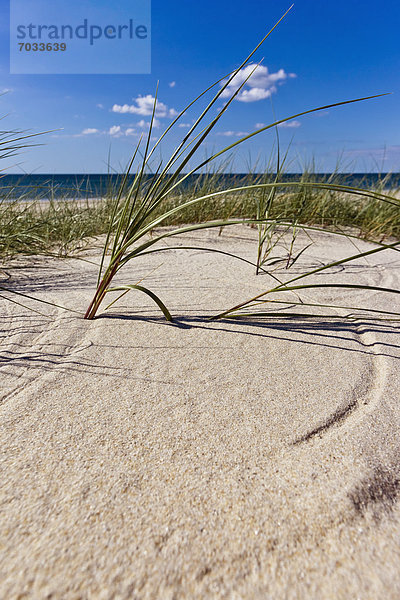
321,53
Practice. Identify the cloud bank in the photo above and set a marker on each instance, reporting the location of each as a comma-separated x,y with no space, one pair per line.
143,105
260,84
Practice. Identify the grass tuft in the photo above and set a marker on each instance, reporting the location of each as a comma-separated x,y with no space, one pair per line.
174,194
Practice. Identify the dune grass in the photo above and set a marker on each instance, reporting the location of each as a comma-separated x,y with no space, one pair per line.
64,226
143,207
132,215
61,227
246,308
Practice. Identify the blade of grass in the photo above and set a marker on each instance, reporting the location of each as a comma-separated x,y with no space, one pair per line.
149,293
286,286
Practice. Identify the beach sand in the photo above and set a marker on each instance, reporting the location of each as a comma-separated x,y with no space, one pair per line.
200,459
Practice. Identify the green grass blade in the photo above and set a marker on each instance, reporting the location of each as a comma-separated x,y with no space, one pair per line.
318,305
217,96
203,249
151,294
280,121
286,285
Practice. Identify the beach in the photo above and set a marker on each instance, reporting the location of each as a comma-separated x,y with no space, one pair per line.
196,459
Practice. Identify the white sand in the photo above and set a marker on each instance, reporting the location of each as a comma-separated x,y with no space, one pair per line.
200,459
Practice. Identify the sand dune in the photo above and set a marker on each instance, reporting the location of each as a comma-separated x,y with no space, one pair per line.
200,459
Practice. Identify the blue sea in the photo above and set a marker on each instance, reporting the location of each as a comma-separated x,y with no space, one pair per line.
79,186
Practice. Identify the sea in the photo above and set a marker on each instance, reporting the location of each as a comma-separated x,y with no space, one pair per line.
94,185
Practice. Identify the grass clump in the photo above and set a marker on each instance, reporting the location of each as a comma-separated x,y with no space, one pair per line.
133,214
64,226
146,203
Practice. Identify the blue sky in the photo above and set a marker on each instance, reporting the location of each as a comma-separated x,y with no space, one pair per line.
323,52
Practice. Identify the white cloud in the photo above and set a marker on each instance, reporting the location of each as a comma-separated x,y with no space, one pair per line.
231,133
6,90
254,94
144,106
144,124
260,85
115,131
89,131
290,124
187,125
99,105
130,131
260,125
172,84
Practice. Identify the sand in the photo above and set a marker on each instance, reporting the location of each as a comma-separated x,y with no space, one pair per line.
200,459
